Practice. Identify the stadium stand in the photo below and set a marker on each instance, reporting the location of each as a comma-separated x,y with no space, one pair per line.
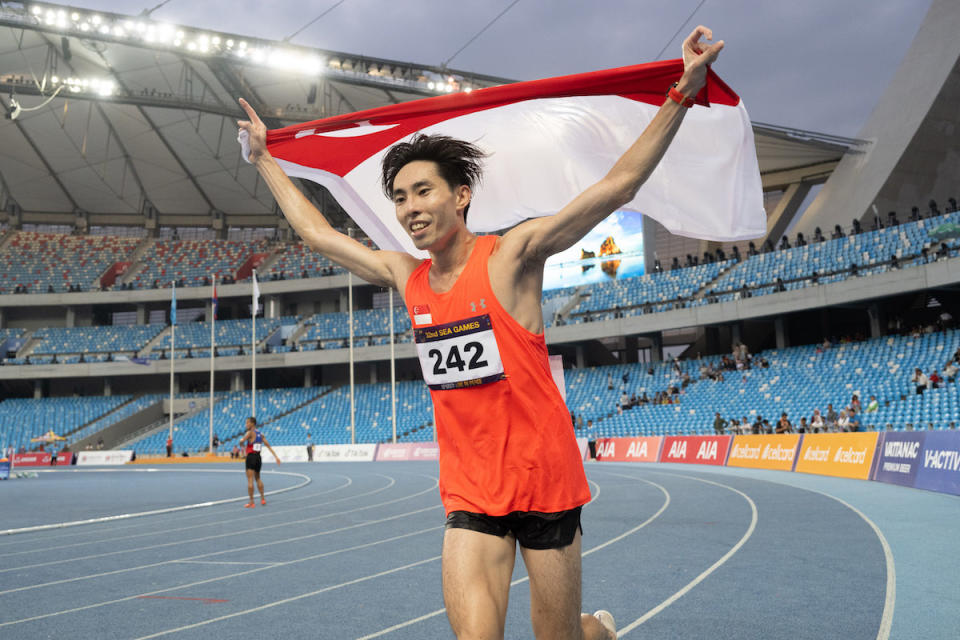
34,262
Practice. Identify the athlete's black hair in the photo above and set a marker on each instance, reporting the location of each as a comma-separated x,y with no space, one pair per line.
458,162
252,419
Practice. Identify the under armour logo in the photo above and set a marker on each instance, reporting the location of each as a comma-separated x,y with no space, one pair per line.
483,305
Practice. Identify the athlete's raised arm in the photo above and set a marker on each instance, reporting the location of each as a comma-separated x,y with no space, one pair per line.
537,239
383,268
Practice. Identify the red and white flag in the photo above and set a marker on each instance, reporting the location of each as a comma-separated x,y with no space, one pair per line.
548,141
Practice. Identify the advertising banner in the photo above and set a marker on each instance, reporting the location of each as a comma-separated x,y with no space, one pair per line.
764,451
287,453
36,459
584,444
645,449
844,455
64,459
344,453
900,456
408,451
4,469
104,457
695,449
939,467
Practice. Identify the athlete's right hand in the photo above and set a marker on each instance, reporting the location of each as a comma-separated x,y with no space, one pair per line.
256,130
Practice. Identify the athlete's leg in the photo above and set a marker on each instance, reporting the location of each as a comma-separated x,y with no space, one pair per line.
476,582
263,500
250,474
555,595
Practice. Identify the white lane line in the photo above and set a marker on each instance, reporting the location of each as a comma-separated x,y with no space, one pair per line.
221,562
126,516
210,537
273,511
293,599
247,548
890,598
218,579
180,518
584,554
703,576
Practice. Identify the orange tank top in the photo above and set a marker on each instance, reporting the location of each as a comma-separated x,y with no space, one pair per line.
504,433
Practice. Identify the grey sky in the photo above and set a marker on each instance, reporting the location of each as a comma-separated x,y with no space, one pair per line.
811,64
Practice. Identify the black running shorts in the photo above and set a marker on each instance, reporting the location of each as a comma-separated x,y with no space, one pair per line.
532,529
254,462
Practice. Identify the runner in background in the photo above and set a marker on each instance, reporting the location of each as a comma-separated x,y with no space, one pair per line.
255,442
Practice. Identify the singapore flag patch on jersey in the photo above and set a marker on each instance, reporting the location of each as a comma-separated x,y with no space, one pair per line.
421,314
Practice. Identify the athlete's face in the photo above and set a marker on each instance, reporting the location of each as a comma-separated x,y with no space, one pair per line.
427,207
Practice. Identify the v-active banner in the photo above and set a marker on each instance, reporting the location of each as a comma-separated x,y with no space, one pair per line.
845,455
900,457
695,449
764,451
939,467
643,449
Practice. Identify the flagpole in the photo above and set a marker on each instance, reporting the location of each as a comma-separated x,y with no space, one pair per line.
353,414
213,349
393,375
173,343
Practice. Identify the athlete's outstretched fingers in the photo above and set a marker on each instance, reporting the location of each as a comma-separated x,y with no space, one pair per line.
476,582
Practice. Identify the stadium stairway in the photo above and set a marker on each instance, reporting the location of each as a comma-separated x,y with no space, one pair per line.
157,339
707,286
70,434
29,342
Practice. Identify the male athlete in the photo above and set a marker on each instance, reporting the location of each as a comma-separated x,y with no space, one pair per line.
510,468
255,442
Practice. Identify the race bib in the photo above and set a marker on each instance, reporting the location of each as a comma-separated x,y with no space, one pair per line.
459,354
257,446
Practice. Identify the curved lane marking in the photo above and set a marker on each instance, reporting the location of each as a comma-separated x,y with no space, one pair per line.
703,576
223,535
126,516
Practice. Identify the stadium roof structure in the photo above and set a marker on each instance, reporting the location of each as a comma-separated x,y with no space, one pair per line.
121,120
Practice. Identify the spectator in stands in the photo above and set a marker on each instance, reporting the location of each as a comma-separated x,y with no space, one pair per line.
768,246
757,426
894,262
784,425
800,241
854,269
815,277
934,380
803,426
735,253
780,287
784,243
943,251
934,210
919,380
816,421
843,422
853,423
857,229
751,249
873,405
892,220
624,401
169,446
914,214
309,448
818,235
837,232
951,205
831,417
675,264
854,403
745,292
950,371
719,424
924,255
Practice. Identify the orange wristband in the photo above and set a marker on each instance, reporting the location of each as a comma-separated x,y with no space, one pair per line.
678,97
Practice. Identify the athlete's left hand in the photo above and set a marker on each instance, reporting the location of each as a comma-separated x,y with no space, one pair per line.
697,58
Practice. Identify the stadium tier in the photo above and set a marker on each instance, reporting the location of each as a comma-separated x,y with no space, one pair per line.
34,262
193,263
298,261
23,419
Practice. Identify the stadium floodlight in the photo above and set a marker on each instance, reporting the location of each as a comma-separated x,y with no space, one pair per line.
142,31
